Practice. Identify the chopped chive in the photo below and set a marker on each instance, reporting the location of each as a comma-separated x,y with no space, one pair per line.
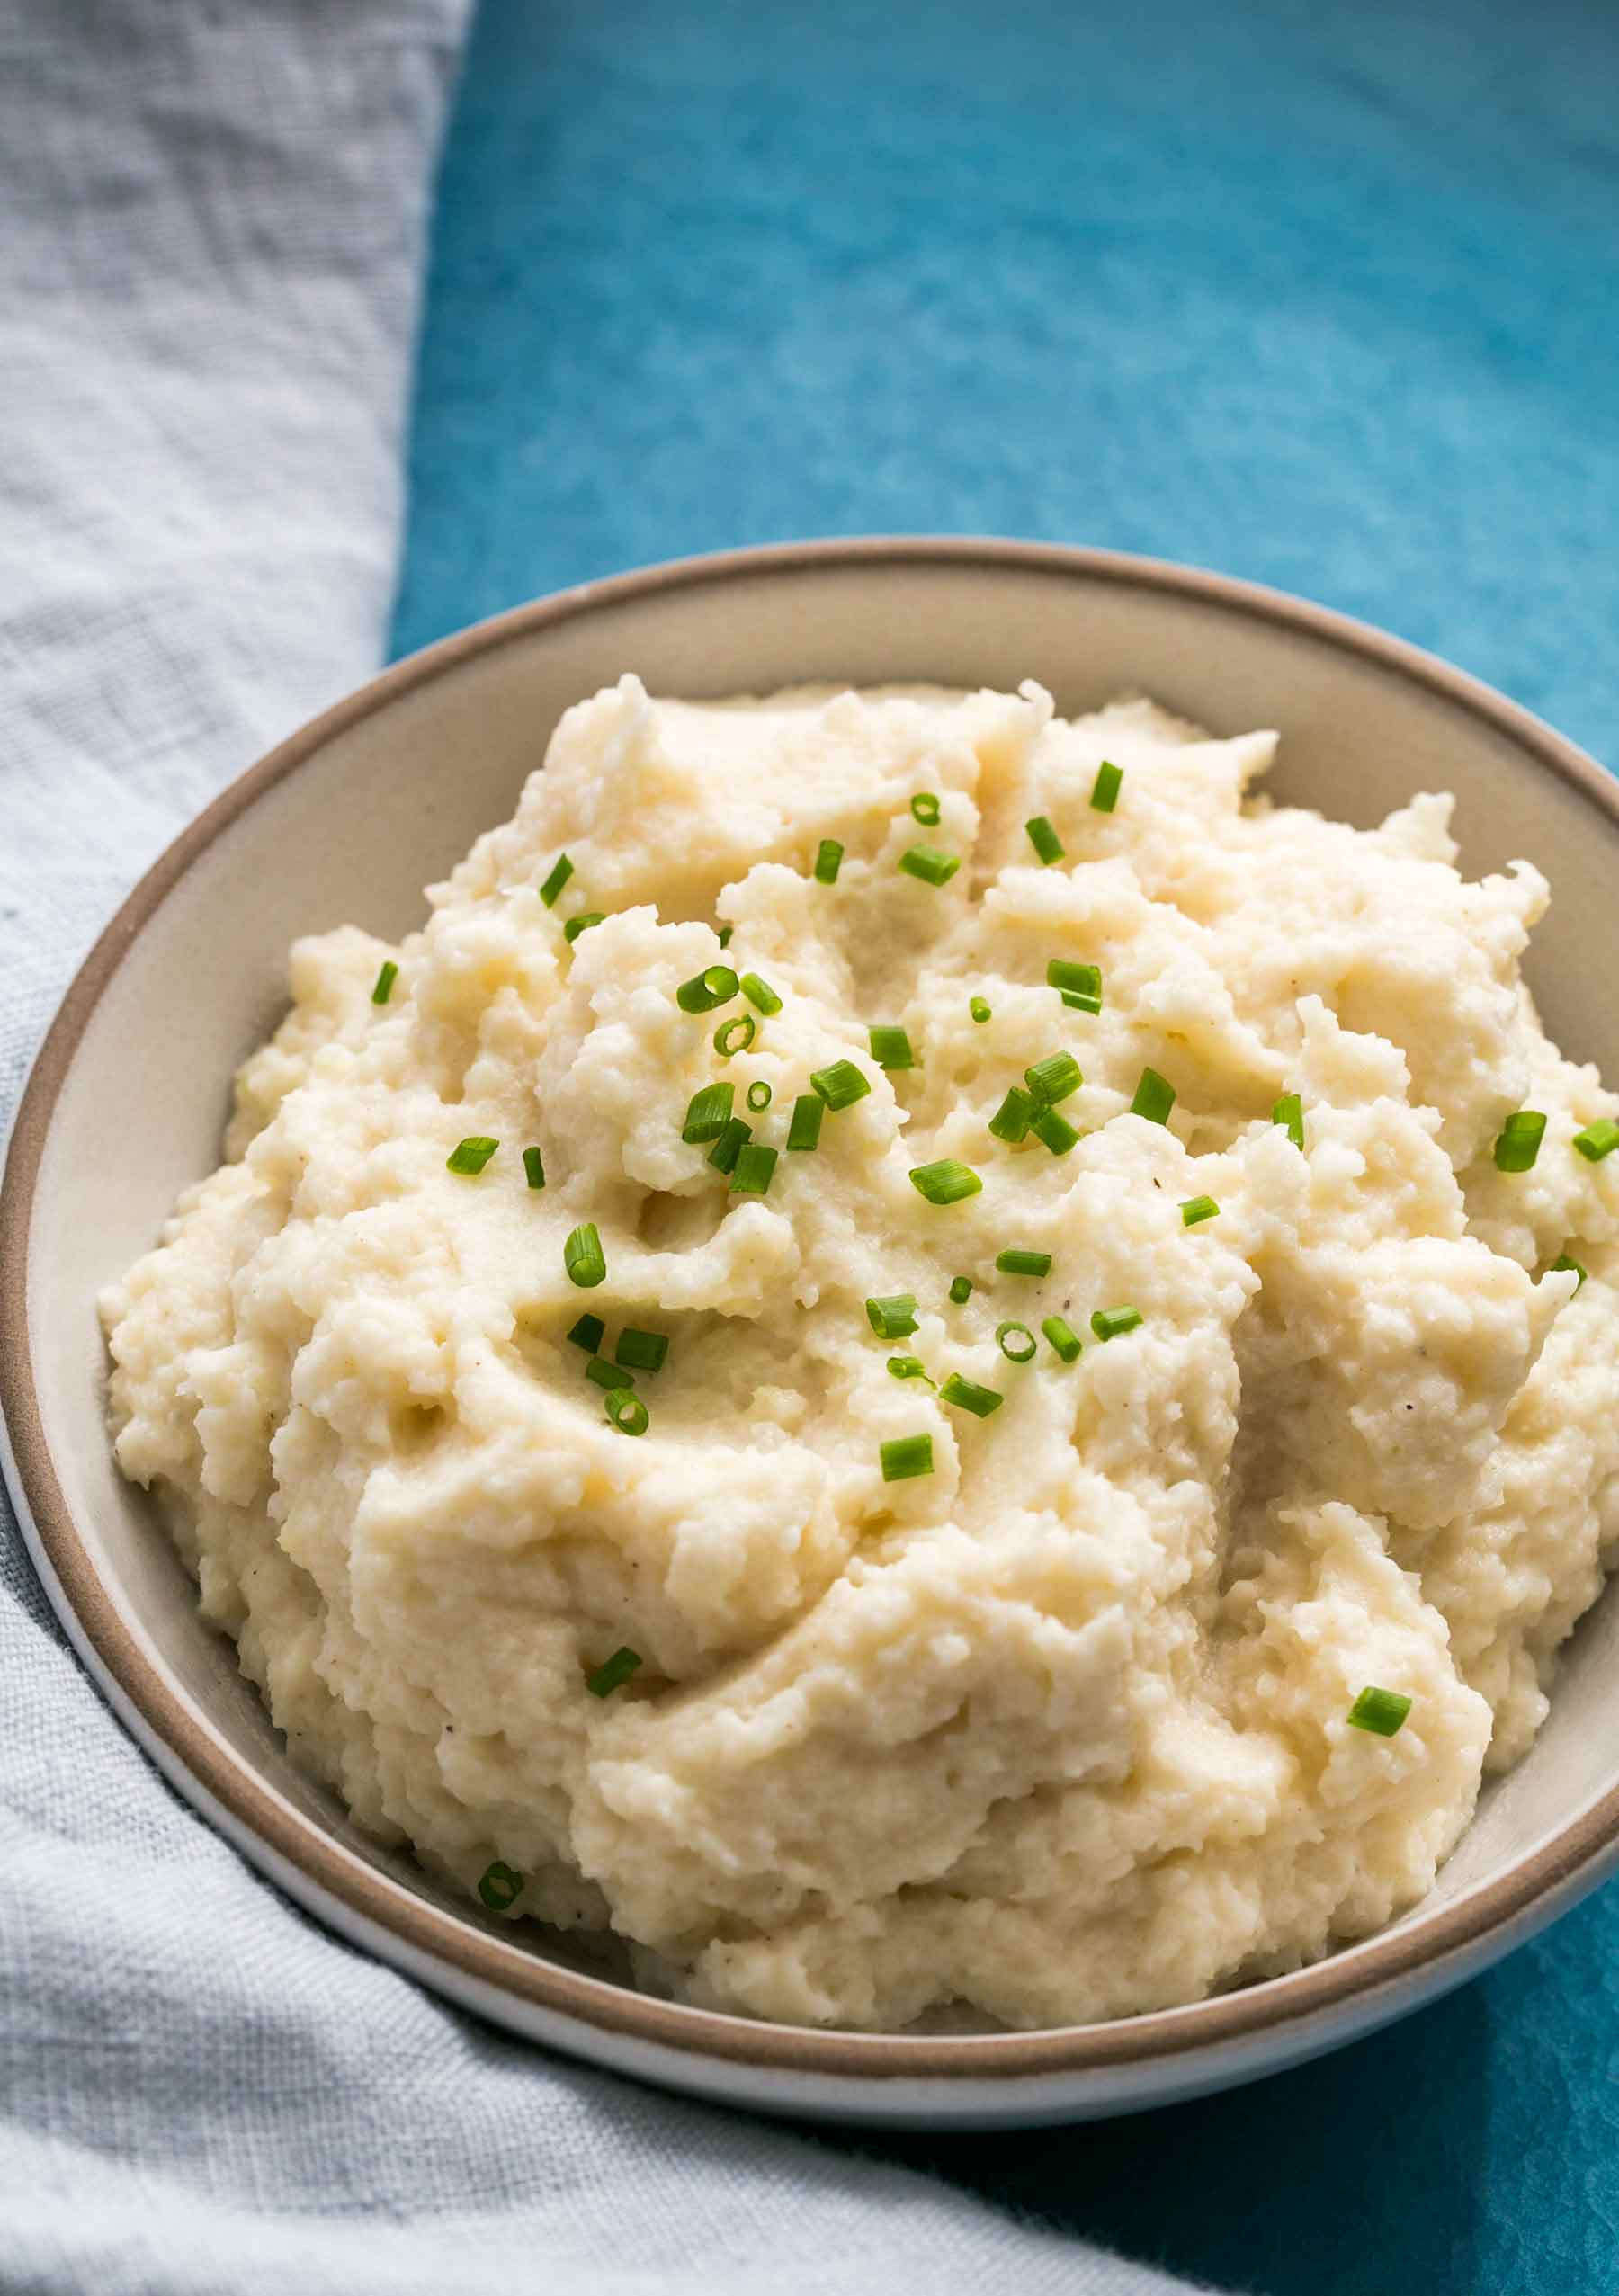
925,807
614,1672
979,1009
1044,839
760,993
803,1130
891,1048
1010,1337
1077,1002
1013,1262
561,871
1054,1077
1104,789
730,1144
1197,1208
533,1168
755,1170
588,1333
841,1085
577,924
1052,1127
1012,1118
932,866
627,1412
640,1351
1518,1142
905,1456
961,1289
724,935
471,1155
736,1034
1064,1338
612,1375
947,1182
1566,1265
828,861
707,990
584,1258
385,981
1154,1097
1083,981
1290,1111
759,1096
1382,1712
968,1396
1598,1140
1112,1323
707,1113
893,1317
908,1367
500,1886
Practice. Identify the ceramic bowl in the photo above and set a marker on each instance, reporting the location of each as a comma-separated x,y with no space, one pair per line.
348,820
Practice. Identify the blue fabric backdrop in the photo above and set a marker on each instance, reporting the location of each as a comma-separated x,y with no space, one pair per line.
1328,296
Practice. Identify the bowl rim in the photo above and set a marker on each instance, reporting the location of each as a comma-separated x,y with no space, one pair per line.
222,1784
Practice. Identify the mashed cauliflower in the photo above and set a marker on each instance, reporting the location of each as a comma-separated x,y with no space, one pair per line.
1057,1726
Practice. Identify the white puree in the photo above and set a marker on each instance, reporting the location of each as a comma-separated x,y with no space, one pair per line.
1058,1731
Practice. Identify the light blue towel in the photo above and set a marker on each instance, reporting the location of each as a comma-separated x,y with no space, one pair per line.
213,217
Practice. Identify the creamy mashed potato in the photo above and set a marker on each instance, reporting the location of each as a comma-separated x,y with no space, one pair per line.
1057,1728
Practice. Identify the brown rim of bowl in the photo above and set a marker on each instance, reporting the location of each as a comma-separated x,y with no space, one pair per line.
1420,1942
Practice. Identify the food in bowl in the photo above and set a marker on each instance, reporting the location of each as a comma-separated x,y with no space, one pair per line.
912,1353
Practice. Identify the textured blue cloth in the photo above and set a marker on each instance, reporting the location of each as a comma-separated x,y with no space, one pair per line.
1325,296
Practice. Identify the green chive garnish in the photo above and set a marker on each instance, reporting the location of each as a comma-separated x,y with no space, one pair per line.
841,1085
947,1182
961,1289
925,806
533,1168
932,866
760,993
1519,1141
1290,1111
1012,1118
1104,789
724,935
730,1144
1382,1712
759,1096
642,1351
803,1130
828,861
614,1672
1011,1262
584,1258
1598,1140
1112,1323
1154,1097
707,1113
588,1333
628,1415
1078,1004
577,924
968,1396
755,1170
1011,1338
979,1009
907,1367
891,1049
905,1456
1064,1338
500,1886
1083,983
608,1375
707,990
561,871
893,1317
1044,839
1052,1127
1196,1209
1054,1077
1564,1264
471,1155
735,1035
385,981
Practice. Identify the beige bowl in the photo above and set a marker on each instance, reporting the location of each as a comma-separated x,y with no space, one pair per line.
348,820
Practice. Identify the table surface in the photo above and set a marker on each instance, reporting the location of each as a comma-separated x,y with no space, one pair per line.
1323,297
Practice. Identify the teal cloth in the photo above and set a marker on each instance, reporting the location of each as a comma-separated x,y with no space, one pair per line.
1327,297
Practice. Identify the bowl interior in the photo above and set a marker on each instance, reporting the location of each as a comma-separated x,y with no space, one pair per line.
389,801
